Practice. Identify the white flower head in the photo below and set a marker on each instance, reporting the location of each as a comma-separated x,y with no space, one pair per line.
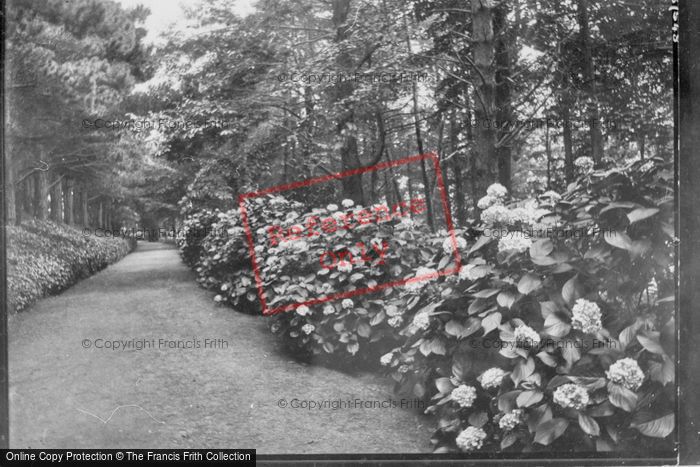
386,358
586,316
218,298
328,309
224,287
627,373
487,201
448,246
332,207
584,163
526,337
421,320
472,272
516,241
347,303
511,420
344,266
571,396
347,203
308,328
395,321
496,214
471,439
492,378
497,191
464,395
303,310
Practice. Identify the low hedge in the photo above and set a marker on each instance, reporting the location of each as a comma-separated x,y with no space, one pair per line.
45,258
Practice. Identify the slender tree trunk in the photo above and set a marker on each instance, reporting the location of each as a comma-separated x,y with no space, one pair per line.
100,214
85,217
548,149
345,128
42,195
568,141
504,109
483,165
457,170
589,77
419,141
641,143
10,193
68,198
56,199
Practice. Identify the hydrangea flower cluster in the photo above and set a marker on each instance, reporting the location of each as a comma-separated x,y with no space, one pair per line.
448,246
347,203
303,310
586,316
308,328
571,396
486,202
514,241
525,336
464,395
395,321
492,378
584,163
386,358
471,439
328,309
421,320
497,214
472,273
511,420
627,373
497,191
347,304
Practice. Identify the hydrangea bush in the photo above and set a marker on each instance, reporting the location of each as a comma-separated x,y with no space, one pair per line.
557,333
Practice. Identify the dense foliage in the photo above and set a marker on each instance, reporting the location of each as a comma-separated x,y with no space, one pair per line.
557,333
45,258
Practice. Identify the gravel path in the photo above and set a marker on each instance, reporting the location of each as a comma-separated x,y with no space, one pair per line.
63,394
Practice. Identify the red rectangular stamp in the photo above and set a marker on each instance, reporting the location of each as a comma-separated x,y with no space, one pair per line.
291,234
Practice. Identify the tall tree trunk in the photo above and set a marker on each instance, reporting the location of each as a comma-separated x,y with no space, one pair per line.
42,195
548,150
345,127
100,215
457,171
68,197
84,199
10,193
56,199
589,77
484,95
504,110
419,141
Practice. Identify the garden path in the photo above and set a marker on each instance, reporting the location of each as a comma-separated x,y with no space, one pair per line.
65,392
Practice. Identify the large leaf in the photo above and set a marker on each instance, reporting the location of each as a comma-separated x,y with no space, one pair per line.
659,428
555,326
571,290
444,385
650,344
588,425
550,430
480,243
542,247
491,322
641,214
529,283
528,398
622,397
